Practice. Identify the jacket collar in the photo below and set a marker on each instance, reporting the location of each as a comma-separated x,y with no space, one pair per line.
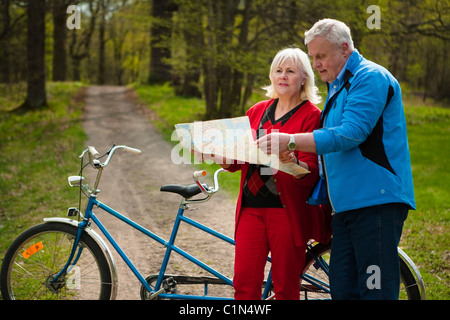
351,66
353,62
344,75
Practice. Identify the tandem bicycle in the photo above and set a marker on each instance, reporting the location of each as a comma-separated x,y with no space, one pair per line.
65,259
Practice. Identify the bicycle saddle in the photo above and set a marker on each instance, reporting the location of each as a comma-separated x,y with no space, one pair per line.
184,191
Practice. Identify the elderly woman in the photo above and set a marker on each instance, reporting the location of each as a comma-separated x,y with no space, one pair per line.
272,213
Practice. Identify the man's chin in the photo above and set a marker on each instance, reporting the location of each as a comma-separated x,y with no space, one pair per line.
323,77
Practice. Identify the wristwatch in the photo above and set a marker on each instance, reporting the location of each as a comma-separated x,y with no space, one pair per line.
291,145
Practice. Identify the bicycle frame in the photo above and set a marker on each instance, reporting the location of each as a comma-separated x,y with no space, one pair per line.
170,246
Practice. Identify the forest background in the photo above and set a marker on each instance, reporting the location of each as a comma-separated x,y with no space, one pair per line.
217,50
192,59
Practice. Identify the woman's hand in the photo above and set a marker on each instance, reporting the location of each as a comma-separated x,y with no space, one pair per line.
288,156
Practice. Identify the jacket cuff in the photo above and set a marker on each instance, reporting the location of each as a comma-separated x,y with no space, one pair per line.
324,139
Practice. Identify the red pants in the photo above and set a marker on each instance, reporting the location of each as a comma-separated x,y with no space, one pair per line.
258,232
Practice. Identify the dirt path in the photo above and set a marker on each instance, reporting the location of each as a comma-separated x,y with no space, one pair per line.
130,184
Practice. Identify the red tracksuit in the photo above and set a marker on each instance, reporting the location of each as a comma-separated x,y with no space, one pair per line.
272,214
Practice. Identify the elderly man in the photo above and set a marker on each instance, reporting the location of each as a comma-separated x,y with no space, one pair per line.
363,149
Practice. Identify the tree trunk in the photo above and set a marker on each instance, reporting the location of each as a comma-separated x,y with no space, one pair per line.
101,44
4,38
76,63
160,71
238,76
209,71
194,38
59,40
80,41
5,57
227,11
36,94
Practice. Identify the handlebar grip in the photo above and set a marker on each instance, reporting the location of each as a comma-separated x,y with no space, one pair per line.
93,152
198,174
132,150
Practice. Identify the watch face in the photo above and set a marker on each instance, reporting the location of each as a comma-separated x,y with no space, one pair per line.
291,146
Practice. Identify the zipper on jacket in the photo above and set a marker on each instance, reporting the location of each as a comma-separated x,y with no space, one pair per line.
326,182
324,168
347,75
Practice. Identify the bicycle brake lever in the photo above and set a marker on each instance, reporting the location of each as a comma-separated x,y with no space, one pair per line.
108,152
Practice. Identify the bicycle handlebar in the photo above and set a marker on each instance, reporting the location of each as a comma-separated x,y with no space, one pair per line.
94,155
203,187
198,174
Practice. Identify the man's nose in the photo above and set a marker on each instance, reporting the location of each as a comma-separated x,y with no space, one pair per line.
316,64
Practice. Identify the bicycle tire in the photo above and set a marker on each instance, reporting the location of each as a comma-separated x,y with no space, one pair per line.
315,282
37,256
409,288
409,282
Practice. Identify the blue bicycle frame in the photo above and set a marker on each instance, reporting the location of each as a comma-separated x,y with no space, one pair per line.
90,216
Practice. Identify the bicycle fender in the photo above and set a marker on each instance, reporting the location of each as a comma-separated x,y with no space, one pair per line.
413,267
103,246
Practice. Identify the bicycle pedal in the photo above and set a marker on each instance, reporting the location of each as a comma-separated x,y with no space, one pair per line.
169,285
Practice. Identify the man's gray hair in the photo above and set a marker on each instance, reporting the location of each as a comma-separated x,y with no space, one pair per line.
334,31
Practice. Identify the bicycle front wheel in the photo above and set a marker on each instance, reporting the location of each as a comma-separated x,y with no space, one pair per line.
39,254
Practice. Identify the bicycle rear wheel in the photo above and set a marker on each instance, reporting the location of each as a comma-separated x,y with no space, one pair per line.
315,276
40,253
411,285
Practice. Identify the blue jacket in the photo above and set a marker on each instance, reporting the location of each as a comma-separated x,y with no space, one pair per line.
362,140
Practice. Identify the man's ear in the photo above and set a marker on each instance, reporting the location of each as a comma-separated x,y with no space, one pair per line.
345,49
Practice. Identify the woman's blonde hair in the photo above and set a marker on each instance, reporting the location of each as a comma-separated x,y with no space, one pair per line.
309,90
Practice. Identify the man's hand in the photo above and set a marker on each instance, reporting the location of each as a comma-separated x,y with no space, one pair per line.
277,143
274,143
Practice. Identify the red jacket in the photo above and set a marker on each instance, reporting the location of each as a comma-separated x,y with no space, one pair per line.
309,222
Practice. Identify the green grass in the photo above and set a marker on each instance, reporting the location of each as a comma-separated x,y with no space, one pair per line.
169,108
38,150
426,236
426,231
